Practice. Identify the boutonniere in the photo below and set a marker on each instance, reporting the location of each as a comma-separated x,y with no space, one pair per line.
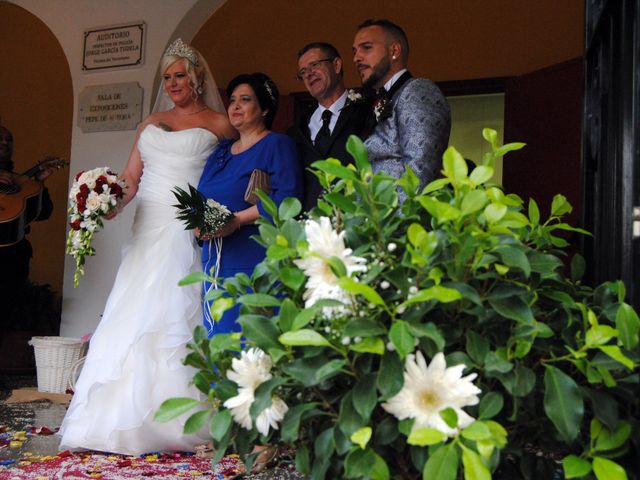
382,109
353,97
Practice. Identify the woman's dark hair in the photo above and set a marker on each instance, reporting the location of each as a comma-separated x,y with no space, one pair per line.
265,90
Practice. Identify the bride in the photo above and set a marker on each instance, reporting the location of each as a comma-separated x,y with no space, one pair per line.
135,356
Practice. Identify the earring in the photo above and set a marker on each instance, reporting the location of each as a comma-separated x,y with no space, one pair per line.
199,90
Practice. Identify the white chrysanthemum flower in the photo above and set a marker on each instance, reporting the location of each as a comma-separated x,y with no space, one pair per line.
271,416
430,389
249,371
322,283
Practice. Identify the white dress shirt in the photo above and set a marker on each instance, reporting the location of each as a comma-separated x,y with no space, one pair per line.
315,122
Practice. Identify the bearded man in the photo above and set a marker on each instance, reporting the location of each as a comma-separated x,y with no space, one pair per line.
413,120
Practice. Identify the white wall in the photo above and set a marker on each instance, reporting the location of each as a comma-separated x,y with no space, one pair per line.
68,19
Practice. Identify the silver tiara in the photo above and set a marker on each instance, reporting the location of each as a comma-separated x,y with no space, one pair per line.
180,49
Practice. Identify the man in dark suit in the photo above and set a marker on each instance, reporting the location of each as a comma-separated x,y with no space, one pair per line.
412,115
322,131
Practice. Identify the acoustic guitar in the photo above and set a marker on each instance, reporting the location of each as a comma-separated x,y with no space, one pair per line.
21,201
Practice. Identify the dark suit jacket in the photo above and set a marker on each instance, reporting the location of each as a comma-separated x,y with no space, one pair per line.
352,120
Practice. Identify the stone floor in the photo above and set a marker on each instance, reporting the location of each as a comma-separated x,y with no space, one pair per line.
19,416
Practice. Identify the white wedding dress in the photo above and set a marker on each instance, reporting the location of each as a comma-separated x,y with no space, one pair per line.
135,355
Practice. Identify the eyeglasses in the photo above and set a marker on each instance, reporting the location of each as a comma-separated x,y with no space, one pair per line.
313,66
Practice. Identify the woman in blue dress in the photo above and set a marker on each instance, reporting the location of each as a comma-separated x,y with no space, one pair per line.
253,100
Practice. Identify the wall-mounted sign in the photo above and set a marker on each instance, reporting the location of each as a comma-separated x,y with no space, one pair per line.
103,108
116,46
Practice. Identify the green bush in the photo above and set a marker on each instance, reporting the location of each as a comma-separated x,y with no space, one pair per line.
367,288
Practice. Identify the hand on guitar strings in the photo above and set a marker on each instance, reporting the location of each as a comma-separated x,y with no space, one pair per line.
6,177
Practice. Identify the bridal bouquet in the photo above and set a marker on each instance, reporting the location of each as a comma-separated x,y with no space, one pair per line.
93,195
197,211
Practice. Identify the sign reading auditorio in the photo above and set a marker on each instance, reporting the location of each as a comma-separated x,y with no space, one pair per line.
116,46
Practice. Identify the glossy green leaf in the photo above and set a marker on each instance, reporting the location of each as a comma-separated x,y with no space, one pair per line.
401,337
260,330
304,337
174,407
417,235
563,402
455,168
614,352
578,267
220,424
450,417
575,467
481,174
560,205
491,136
292,277
474,468
303,318
291,422
358,151
289,208
220,306
357,288
442,464
423,437
259,300
599,335
194,277
490,405
196,421
494,212
390,379
513,307
336,169
478,430
342,202
369,345
534,212
628,326
365,395
608,440
473,201
477,347
606,469
437,292
361,437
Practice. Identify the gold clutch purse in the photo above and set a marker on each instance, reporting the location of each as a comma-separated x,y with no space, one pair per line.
259,180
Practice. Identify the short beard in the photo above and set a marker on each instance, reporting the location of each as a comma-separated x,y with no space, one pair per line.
378,73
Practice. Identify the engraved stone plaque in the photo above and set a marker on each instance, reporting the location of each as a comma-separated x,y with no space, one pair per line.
117,46
116,106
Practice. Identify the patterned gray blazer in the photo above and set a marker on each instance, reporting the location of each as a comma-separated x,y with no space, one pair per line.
415,134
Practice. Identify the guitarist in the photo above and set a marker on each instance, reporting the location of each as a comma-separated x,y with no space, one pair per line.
14,259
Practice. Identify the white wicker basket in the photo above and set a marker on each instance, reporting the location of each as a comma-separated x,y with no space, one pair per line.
54,358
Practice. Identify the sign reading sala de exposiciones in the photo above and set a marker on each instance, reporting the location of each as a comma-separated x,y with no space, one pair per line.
116,46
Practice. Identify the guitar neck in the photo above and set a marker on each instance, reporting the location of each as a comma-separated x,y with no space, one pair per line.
32,171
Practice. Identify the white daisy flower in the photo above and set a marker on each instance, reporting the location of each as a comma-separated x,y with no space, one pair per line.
325,242
430,389
249,371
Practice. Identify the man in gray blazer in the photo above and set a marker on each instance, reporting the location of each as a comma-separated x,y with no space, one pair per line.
412,115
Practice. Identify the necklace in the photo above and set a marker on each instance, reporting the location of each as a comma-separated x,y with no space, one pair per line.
190,113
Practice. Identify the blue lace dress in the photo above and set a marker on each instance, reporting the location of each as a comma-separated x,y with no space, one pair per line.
225,179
